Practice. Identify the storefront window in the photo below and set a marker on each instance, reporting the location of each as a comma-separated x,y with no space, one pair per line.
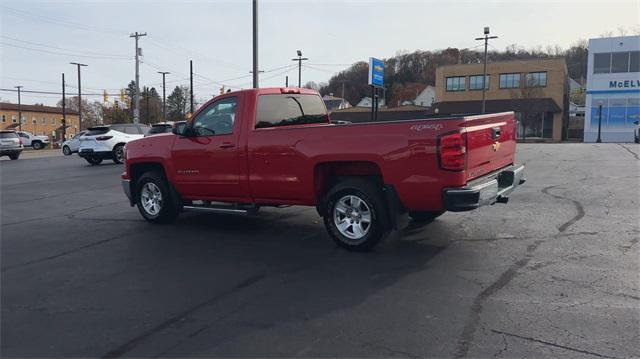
620,62
547,125
617,111
602,63
595,112
633,111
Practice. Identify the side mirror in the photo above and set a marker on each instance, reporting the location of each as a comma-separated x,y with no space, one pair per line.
182,129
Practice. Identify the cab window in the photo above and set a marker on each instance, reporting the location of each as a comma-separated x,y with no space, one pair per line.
217,119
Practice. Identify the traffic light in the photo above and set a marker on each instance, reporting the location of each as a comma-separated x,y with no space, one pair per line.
116,104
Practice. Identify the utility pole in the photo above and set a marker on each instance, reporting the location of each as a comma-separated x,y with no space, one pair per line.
484,77
255,44
300,59
286,81
64,110
79,95
164,107
19,108
136,110
191,83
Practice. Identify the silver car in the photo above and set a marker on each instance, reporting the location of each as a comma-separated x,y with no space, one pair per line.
71,146
10,144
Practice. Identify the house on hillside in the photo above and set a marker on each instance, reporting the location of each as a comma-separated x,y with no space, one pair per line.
335,103
427,97
366,102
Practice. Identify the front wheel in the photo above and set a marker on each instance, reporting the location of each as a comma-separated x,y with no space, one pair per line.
14,157
118,154
356,215
94,161
154,200
37,145
66,151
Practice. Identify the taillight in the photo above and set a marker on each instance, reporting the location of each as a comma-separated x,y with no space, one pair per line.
103,138
453,151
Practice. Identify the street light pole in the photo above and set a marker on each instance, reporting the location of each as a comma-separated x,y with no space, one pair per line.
164,108
79,95
64,110
19,108
484,74
599,140
300,59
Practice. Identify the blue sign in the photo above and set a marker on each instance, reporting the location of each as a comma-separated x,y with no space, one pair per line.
376,72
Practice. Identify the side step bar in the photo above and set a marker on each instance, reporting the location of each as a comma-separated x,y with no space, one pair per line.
215,210
221,207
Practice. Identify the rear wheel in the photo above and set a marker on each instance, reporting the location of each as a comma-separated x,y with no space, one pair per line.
154,199
356,215
14,157
66,150
425,216
93,160
118,154
37,145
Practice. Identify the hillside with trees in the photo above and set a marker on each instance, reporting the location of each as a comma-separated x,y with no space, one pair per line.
407,71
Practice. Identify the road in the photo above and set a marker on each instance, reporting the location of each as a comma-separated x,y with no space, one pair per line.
553,273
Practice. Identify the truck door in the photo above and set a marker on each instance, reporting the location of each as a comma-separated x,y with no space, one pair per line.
206,162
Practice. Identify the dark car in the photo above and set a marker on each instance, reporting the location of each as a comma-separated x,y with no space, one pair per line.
10,144
158,128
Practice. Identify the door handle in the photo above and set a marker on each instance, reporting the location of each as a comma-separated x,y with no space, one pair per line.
495,133
226,145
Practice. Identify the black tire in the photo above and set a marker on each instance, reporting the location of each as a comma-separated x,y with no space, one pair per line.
168,208
425,216
369,193
37,145
118,154
66,151
14,157
94,161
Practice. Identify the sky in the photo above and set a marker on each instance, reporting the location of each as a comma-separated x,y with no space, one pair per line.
38,39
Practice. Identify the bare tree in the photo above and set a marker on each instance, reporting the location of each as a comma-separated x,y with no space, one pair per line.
526,101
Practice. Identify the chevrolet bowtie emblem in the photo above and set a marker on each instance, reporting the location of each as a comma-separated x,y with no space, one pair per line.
495,146
378,68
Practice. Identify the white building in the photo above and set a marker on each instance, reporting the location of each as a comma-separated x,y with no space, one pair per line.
426,98
366,102
613,89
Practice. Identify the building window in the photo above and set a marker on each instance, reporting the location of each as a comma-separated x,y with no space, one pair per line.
617,112
33,120
44,121
536,79
475,82
13,118
23,120
602,63
53,121
620,62
4,118
634,61
509,81
456,83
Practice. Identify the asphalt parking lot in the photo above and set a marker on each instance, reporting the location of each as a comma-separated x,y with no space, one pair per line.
553,273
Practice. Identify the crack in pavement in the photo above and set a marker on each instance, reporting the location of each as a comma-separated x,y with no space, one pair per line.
554,344
629,150
139,339
70,251
468,332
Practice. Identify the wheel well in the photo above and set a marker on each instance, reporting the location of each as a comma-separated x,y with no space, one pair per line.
138,169
118,144
327,174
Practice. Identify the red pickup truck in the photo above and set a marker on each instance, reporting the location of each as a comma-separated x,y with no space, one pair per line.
278,147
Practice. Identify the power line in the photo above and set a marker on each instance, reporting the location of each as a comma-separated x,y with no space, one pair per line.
65,49
63,54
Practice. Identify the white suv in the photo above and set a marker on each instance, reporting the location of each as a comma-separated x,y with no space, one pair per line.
107,142
31,140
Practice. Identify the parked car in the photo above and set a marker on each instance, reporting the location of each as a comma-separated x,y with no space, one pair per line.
274,147
10,144
162,127
107,142
72,145
31,140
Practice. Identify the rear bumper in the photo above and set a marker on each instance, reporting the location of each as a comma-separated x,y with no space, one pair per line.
483,191
10,151
87,152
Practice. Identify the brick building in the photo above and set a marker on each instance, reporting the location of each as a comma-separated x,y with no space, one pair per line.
538,87
39,120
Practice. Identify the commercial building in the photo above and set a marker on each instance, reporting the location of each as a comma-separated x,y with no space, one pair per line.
536,89
613,89
37,119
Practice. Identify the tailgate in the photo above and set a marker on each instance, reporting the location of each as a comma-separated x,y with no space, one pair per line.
491,143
